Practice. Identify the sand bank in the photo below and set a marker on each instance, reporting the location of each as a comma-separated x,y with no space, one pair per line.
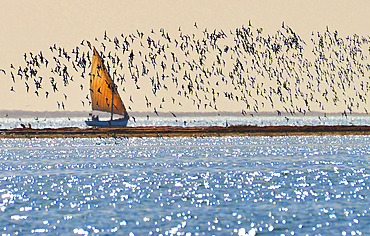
177,131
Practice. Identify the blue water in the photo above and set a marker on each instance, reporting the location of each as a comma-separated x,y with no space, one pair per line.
208,186
36,122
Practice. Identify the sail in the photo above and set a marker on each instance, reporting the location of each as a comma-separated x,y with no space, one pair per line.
101,87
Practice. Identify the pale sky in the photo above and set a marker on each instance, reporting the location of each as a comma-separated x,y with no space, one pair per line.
33,26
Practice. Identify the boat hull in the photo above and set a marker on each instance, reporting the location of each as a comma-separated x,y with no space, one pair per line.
107,123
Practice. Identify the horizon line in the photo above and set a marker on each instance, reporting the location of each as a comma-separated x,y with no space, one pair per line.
27,113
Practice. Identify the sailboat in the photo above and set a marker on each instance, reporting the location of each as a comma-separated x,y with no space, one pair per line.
104,96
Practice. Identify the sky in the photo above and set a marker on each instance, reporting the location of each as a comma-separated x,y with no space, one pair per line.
32,26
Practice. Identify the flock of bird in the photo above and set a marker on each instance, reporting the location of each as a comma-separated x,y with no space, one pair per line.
211,70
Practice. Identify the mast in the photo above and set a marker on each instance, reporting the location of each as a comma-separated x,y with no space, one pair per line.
111,110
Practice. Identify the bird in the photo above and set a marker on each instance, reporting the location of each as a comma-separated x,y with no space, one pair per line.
247,67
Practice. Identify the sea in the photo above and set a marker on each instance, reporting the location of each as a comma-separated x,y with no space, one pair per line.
297,185
53,122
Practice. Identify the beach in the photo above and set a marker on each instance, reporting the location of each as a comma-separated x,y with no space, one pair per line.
179,131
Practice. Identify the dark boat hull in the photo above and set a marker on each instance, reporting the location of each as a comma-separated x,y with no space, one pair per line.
107,123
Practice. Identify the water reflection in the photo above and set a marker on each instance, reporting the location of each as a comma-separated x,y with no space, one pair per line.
214,185
8,123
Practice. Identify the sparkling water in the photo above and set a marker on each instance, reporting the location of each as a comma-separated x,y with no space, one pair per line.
172,186
9,123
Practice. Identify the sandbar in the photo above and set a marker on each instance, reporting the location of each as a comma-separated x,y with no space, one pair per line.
179,131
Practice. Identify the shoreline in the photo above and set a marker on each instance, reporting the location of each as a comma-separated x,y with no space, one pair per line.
179,131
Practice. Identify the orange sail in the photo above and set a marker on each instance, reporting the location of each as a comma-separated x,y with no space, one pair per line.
103,90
